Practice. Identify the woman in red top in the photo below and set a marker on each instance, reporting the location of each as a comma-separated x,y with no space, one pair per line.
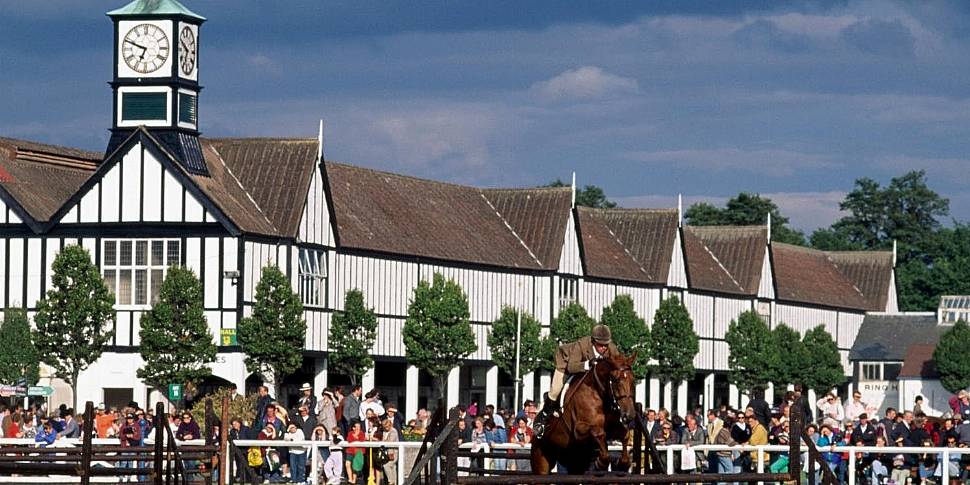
356,434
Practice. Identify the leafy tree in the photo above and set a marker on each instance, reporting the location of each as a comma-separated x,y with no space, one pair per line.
18,355
572,323
630,332
588,196
73,322
823,369
437,333
952,358
788,356
750,350
673,343
352,335
909,212
744,210
274,336
501,342
176,344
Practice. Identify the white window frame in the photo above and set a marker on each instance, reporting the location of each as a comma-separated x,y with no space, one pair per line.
877,366
151,268
313,277
568,290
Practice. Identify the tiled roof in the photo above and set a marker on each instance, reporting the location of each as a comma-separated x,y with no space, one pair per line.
604,254
919,362
538,216
41,178
807,275
726,258
631,244
887,337
392,213
870,272
275,172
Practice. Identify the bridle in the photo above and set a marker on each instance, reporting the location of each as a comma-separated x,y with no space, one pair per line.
613,399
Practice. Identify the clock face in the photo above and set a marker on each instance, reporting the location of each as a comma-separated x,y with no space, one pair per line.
145,48
187,50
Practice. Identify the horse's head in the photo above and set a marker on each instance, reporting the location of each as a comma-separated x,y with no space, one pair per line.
621,385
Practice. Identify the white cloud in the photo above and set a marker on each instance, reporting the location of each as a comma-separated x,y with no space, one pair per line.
584,83
767,161
950,171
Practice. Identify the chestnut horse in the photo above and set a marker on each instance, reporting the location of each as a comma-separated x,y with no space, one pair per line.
598,407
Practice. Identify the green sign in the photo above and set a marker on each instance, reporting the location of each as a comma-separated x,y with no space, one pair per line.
45,391
228,337
175,392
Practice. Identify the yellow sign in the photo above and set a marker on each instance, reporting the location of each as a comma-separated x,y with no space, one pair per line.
228,337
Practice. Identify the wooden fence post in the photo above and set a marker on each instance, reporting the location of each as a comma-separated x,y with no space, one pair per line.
224,456
87,433
160,423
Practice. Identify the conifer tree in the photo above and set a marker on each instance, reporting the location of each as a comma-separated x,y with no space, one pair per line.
176,344
750,348
437,333
351,338
822,370
952,357
18,355
273,338
501,342
74,320
673,342
630,332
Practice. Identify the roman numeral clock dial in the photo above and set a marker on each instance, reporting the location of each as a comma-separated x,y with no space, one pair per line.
145,48
187,50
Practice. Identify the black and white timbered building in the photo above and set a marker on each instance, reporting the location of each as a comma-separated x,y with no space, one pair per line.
162,195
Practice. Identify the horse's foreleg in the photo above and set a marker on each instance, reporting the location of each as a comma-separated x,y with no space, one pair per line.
624,463
603,460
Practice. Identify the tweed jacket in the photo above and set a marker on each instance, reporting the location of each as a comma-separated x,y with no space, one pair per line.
572,357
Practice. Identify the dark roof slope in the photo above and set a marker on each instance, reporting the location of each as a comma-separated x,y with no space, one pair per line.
888,336
629,244
41,178
539,216
738,250
870,272
919,362
808,275
391,213
275,172
604,255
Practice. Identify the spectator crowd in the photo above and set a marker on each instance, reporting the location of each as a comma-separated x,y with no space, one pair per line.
344,417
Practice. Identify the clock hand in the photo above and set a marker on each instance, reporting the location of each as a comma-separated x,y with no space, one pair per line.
143,48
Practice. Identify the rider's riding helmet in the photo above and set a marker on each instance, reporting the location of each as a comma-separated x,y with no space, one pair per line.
602,335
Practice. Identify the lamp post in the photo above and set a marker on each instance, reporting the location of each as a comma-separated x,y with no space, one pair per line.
518,348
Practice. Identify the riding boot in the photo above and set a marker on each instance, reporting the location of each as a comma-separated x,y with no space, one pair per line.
550,407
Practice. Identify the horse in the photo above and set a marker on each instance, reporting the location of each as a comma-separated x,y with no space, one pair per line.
599,406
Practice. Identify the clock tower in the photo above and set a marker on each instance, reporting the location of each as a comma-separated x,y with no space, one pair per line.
156,77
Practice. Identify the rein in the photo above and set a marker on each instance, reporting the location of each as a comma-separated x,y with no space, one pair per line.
613,401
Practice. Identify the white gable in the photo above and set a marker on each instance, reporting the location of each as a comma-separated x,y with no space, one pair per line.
677,275
569,260
138,188
315,225
766,289
892,305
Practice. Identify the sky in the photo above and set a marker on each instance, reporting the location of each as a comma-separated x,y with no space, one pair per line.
648,100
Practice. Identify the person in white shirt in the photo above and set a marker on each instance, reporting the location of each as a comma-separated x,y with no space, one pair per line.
372,402
832,411
297,454
855,408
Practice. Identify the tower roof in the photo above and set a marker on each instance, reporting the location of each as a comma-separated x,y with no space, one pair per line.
154,7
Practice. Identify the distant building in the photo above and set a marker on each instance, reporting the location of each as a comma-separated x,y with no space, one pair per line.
892,358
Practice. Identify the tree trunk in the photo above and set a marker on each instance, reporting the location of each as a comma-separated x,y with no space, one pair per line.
74,392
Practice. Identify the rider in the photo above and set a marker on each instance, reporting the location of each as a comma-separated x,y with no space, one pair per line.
574,358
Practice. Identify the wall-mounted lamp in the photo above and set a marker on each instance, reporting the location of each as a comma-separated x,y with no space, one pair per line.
231,275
